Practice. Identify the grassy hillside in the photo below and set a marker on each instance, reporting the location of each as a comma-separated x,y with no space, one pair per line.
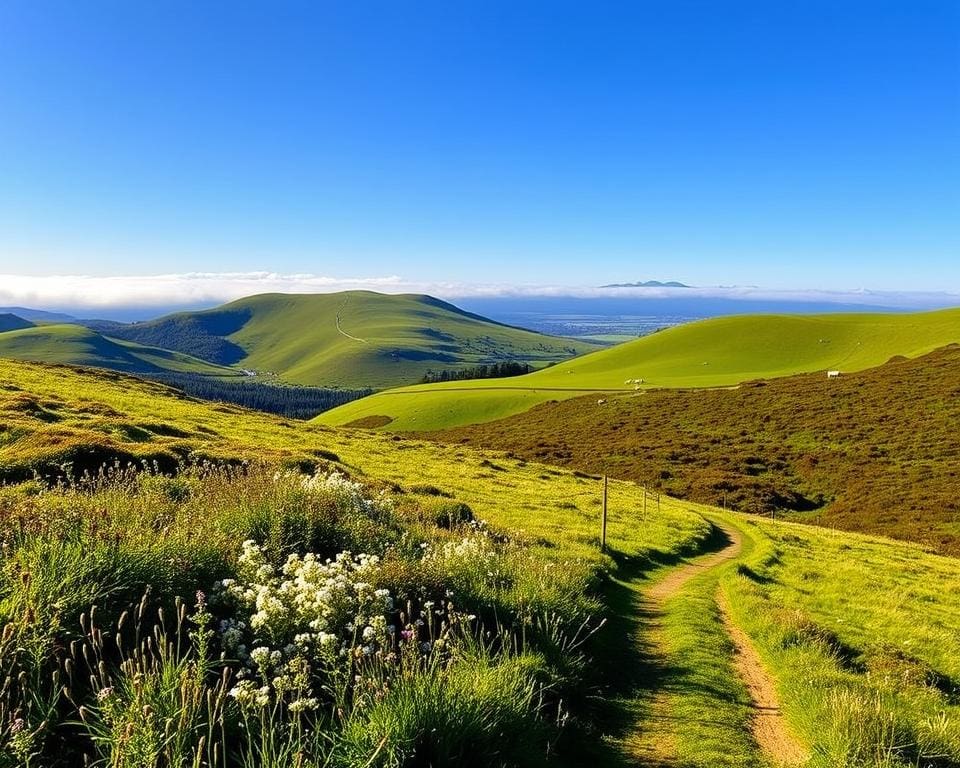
76,345
54,415
382,701
711,353
872,451
858,634
11,322
861,635
352,339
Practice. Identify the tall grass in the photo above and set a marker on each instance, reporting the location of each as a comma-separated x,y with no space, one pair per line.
454,647
865,669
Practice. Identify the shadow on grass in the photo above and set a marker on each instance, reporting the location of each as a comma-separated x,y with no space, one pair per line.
627,671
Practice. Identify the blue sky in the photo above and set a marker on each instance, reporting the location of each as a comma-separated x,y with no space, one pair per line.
783,144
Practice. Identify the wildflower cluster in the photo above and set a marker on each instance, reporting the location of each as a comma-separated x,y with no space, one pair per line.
474,548
291,624
471,563
348,495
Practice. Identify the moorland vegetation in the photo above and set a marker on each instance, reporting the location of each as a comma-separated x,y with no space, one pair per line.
844,452
214,586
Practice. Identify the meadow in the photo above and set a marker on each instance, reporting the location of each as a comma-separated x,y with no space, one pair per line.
720,352
294,595
864,636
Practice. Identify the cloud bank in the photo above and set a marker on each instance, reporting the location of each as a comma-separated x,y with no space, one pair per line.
104,294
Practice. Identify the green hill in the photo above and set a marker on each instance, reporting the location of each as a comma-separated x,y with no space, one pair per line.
76,345
845,453
11,322
719,352
352,339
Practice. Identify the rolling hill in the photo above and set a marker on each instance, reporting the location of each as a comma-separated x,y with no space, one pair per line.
77,345
719,352
352,339
11,322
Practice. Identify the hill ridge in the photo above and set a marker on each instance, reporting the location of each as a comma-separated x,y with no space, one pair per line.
12,322
300,337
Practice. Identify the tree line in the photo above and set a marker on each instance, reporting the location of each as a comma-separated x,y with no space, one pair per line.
288,400
491,371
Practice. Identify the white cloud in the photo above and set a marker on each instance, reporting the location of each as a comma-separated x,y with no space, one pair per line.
92,293
191,288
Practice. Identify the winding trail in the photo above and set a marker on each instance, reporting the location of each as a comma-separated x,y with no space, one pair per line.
651,742
340,329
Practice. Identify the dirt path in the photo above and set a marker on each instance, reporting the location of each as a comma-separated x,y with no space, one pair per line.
651,744
670,585
343,332
769,726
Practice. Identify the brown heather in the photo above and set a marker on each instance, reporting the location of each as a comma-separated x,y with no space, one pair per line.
876,451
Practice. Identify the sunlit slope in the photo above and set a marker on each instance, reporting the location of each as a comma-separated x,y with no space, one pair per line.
369,339
857,632
875,450
710,353
75,345
54,416
351,339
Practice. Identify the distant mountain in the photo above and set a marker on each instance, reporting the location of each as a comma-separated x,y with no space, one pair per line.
38,315
350,339
11,322
648,284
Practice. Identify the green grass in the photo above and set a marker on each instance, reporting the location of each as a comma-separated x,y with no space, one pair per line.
76,345
861,635
719,352
710,708
427,410
69,547
670,689
352,339
50,415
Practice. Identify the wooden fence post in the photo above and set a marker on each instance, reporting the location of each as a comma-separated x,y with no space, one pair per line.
603,518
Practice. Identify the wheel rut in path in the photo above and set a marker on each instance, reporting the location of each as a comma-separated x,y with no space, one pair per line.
770,729
652,743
